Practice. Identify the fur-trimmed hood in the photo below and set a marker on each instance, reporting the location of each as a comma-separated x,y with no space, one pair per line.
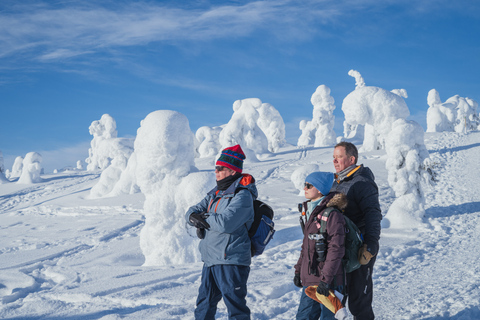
339,200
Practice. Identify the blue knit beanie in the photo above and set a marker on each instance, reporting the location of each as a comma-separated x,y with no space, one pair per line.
323,181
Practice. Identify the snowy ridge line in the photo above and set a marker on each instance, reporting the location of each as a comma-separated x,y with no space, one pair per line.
27,195
60,254
117,232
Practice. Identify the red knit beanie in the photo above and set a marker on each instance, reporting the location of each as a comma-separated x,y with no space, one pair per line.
232,158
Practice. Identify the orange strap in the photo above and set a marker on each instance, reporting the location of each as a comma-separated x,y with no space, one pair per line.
211,201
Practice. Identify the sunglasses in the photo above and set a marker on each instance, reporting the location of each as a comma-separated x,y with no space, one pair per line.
219,168
308,185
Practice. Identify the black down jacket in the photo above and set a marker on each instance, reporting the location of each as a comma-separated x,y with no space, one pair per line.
363,206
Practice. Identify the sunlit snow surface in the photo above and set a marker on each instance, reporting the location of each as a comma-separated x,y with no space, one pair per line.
64,256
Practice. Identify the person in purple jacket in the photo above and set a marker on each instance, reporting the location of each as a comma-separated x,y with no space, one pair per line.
320,261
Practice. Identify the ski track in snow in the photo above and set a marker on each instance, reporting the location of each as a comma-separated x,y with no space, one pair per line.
82,260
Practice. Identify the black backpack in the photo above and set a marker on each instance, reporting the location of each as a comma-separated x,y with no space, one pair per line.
262,229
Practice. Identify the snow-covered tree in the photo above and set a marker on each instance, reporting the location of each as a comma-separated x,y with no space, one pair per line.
3,178
105,145
359,81
474,117
127,183
456,114
320,129
407,163
376,109
400,92
353,132
271,123
207,138
107,153
31,169
17,167
243,129
440,117
111,175
79,165
165,172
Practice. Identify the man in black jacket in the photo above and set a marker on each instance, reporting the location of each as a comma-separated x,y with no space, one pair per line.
358,183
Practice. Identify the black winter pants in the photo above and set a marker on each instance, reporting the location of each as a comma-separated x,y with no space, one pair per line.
360,291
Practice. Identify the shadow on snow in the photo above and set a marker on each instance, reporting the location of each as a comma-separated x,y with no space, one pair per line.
470,313
456,149
453,210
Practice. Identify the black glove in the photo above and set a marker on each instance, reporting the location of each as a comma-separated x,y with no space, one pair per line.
198,220
201,233
323,289
296,280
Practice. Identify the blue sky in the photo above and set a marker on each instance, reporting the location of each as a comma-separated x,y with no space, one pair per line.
65,63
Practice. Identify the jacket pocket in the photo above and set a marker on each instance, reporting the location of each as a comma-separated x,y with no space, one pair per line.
213,247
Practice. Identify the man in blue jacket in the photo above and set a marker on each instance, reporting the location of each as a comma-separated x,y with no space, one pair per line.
358,183
222,220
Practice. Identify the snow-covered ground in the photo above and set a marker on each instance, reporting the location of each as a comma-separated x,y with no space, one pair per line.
64,256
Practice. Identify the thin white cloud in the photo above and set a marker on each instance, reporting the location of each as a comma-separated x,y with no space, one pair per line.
70,31
62,54
75,28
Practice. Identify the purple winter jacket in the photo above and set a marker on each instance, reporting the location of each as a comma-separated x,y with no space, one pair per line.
329,271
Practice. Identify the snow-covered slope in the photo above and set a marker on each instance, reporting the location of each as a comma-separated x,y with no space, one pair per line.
63,256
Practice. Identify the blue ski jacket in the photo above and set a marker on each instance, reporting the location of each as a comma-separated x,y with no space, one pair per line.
230,216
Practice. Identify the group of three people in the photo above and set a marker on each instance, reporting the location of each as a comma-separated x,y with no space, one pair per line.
225,215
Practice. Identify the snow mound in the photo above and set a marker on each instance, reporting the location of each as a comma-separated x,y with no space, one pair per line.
298,176
165,172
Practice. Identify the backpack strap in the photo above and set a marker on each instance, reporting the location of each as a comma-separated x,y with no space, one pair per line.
323,229
324,218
